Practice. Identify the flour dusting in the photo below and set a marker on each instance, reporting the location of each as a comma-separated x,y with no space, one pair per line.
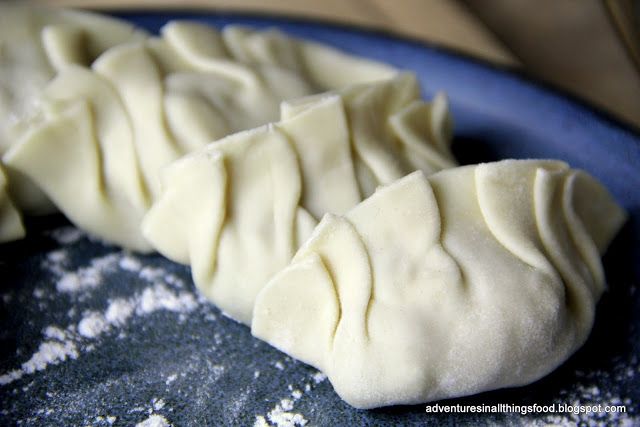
84,278
160,297
95,314
154,420
319,377
157,404
55,333
129,263
64,343
92,325
582,394
119,311
282,414
171,378
11,376
66,235
50,353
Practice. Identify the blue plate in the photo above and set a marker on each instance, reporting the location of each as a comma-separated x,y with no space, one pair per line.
192,366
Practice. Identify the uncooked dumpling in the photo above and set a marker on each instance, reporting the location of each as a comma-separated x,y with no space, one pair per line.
35,43
11,227
237,210
472,279
103,133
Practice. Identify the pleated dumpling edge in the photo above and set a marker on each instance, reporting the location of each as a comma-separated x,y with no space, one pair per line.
147,101
264,190
472,279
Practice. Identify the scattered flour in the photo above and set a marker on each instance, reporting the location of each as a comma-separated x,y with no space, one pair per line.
55,333
56,262
108,419
151,274
164,291
66,235
282,414
92,325
157,404
50,353
286,404
160,297
154,420
59,256
11,376
217,370
84,278
590,395
171,378
319,377
129,263
217,338
61,344
119,311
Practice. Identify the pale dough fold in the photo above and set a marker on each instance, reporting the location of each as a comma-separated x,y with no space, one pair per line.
471,279
11,227
103,133
35,44
237,210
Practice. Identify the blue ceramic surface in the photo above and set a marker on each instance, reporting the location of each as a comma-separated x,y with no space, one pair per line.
197,367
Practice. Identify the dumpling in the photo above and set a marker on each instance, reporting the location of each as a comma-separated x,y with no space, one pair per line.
144,104
472,279
11,227
218,83
35,43
237,210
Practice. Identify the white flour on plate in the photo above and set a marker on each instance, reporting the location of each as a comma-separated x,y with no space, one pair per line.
581,394
154,420
164,291
282,415
66,235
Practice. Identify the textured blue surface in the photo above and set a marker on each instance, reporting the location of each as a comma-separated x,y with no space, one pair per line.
497,115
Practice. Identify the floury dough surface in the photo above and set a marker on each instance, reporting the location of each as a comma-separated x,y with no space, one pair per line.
237,210
35,44
102,132
472,279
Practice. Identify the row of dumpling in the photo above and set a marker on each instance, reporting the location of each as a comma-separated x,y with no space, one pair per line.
466,280
135,103
238,209
145,103
401,287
